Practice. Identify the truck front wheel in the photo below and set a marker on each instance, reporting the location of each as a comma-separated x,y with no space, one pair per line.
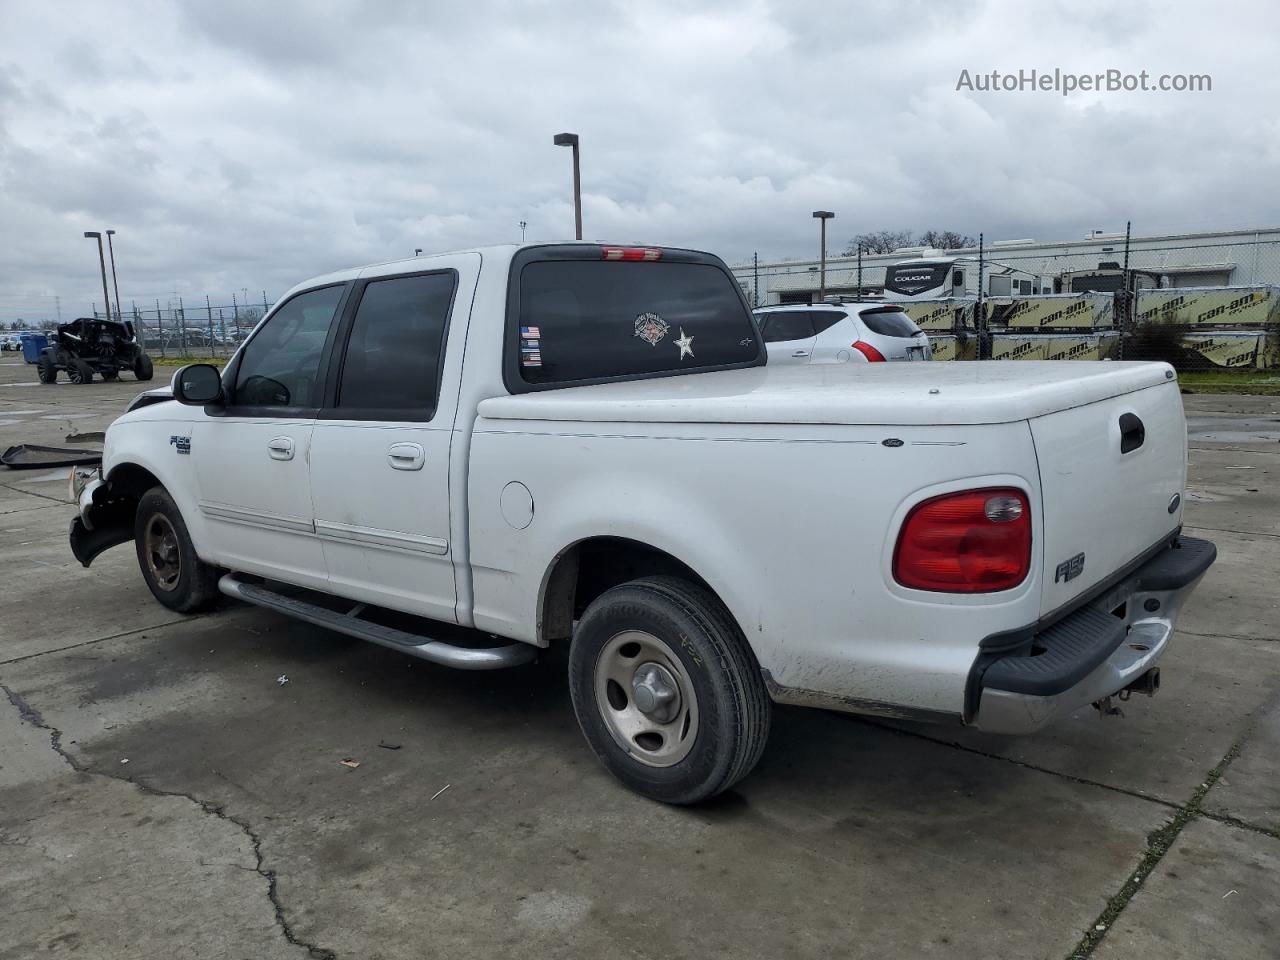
667,691
178,578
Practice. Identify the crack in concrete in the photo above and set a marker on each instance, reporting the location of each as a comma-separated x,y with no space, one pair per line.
32,493
32,716
114,636
1228,636
1083,781
1239,533
1159,842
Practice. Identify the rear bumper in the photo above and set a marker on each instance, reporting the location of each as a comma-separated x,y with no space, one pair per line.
1092,653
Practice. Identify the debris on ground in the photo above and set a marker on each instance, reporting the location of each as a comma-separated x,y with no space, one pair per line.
348,762
388,746
33,456
441,790
282,679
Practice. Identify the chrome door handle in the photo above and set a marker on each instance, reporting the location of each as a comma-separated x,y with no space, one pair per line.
280,448
406,456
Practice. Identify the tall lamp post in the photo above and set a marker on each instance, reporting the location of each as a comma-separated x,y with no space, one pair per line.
102,265
822,216
114,284
571,140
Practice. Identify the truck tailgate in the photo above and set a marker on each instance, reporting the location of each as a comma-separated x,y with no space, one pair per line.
1109,472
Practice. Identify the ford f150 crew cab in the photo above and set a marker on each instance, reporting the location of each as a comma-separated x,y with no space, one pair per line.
473,456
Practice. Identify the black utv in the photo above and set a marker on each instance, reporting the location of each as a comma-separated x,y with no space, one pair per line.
87,346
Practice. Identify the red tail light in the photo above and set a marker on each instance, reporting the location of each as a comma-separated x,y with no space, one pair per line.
630,253
867,350
976,541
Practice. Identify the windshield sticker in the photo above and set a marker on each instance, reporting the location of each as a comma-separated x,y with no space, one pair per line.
651,328
529,333
530,354
685,343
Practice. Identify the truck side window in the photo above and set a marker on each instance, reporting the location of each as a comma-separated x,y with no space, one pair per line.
280,365
392,360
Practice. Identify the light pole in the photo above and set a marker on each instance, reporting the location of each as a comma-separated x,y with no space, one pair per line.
571,140
102,265
822,216
523,224
114,284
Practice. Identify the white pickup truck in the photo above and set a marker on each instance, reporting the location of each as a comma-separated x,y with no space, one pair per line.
583,444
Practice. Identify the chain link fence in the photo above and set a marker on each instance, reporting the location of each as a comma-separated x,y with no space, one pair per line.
179,329
1209,304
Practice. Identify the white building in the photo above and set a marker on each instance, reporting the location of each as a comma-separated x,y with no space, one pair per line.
1222,258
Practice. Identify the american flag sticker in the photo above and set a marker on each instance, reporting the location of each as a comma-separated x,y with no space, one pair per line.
530,355
530,333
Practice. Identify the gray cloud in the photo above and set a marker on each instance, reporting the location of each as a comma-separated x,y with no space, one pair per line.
245,144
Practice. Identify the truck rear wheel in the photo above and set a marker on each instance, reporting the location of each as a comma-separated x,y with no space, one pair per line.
176,576
142,367
667,691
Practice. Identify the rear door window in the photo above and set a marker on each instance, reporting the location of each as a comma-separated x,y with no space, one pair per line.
889,323
785,325
392,361
590,320
826,319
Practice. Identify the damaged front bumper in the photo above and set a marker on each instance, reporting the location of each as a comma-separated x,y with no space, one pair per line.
1101,649
105,520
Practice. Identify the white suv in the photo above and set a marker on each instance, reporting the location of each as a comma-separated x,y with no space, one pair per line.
841,333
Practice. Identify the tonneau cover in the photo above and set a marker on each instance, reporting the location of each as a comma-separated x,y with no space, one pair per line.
845,393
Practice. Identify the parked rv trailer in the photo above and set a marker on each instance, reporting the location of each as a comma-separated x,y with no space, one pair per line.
936,278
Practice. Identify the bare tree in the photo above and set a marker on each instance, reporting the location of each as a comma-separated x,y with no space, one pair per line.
945,240
881,241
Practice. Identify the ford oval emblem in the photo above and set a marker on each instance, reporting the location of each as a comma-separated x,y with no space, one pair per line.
1174,501
892,442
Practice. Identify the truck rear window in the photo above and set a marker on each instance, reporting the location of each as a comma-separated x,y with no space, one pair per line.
597,320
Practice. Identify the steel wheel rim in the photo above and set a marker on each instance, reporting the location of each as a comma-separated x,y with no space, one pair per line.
160,547
634,674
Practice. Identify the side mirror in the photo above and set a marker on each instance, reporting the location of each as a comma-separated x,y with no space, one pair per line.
198,385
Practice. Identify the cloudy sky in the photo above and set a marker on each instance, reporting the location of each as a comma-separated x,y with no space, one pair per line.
243,144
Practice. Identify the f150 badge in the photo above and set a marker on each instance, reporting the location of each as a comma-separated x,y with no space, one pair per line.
1069,569
181,444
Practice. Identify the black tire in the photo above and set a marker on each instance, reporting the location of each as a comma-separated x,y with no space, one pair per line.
732,704
45,369
79,371
143,368
191,584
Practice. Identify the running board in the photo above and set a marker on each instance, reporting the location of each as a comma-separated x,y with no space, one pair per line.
415,645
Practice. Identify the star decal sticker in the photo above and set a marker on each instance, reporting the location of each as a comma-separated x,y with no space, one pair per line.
685,343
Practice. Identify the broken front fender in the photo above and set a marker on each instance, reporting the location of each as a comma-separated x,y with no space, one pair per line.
105,520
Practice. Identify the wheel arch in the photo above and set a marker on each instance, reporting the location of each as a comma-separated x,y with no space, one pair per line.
132,479
584,569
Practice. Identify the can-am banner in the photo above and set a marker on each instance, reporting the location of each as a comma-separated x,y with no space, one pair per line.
1054,311
1217,306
